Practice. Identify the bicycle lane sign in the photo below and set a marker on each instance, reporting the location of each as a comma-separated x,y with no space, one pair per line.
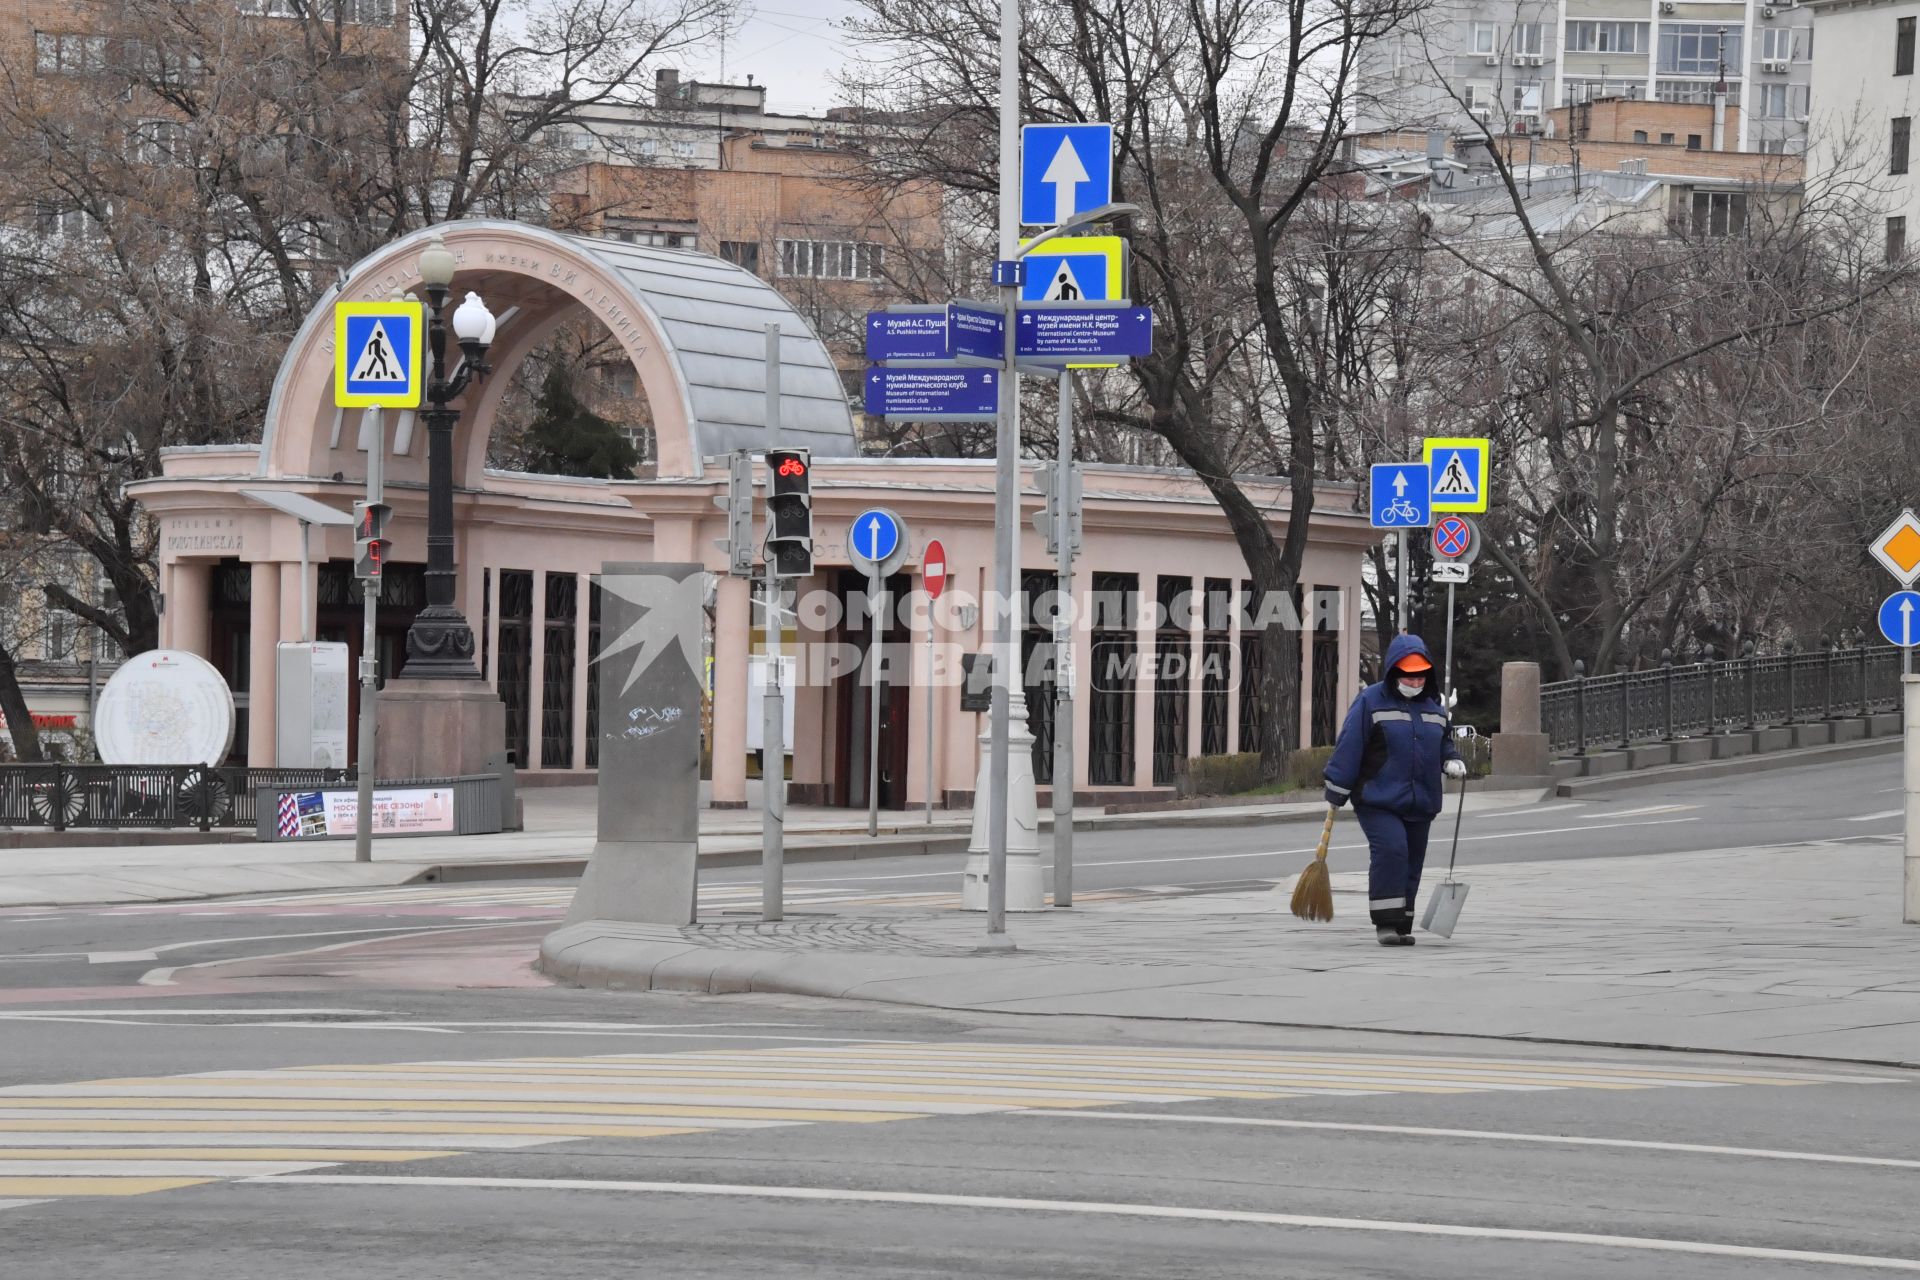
1398,495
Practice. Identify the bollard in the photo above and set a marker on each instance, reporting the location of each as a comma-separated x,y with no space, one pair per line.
1753,716
1579,707
1910,881
1793,703
1626,707
1826,708
1666,693
1706,656
1860,644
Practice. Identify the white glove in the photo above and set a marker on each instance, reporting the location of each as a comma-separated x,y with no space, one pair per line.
1456,768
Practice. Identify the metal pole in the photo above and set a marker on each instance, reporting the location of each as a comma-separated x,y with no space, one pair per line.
873,709
773,703
306,588
1400,572
1063,664
1446,683
1910,881
932,699
1006,505
369,652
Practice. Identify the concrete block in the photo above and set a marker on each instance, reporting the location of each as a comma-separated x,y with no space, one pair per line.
1778,738
1650,755
1520,753
1693,751
1598,764
1728,745
1812,735
1884,724
1563,770
438,728
1852,729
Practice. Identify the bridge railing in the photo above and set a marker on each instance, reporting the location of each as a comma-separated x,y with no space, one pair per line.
61,796
1717,695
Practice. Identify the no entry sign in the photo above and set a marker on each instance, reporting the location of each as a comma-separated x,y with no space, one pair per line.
933,569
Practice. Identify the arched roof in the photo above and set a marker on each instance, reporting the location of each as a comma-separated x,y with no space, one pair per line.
693,325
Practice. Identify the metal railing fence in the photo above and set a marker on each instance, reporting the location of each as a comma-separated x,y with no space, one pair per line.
63,796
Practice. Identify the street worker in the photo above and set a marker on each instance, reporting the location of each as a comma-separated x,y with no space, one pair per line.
1392,750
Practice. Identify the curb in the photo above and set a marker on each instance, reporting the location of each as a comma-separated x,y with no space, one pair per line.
596,955
1838,753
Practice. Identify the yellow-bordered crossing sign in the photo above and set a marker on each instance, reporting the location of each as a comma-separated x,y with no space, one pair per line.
377,354
1457,472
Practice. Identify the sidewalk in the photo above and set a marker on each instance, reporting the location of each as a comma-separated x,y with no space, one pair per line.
1794,951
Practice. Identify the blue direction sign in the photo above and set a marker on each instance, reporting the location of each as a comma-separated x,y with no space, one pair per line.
875,535
918,333
1112,333
934,394
977,332
1065,169
1897,621
1398,496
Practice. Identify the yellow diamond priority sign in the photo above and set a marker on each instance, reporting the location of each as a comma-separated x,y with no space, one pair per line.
1899,548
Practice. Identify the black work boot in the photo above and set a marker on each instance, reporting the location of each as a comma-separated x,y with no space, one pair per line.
1390,936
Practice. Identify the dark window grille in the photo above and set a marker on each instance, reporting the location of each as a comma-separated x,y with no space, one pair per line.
486,617
516,655
1326,665
1172,687
1251,665
1902,136
1216,656
556,672
1036,667
1903,46
593,673
1114,655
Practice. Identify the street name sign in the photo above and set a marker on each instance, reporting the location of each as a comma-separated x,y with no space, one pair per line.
376,354
1897,622
934,395
976,332
1065,170
907,333
1397,495
1898,548
1112,333
1459,470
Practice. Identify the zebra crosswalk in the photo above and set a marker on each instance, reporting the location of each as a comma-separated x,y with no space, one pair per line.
137,1135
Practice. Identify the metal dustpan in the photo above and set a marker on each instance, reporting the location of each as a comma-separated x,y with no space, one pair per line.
1443,907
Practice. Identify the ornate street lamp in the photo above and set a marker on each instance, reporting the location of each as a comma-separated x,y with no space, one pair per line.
440,643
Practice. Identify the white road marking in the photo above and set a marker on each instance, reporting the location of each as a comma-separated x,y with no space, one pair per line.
37,1015
152,1168
1487,1135
1877,817
20,1204
120,957
1637,813
1116,1210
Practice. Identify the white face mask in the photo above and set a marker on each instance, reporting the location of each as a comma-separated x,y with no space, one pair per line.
1410,690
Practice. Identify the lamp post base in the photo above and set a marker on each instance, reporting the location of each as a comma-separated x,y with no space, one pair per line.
438,728
440,646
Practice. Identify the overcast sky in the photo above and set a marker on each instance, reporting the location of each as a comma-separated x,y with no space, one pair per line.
794,47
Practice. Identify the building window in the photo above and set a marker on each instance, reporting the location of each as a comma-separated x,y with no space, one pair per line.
1486,38
658,237
1719,213
1896,239
1666,139
67,223
1699,48
1903,47
1527,38
1693,142
1328,706
1039,676
1699,92
742,253
1172,674
1606,37
1526,98
682,149
1782,44
1639,135
68,53
1902,132
831,259
556,675
1115,672
515,684
1578,91
1216,666
159,142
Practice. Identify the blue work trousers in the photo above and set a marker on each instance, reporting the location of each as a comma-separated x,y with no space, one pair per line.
1397,852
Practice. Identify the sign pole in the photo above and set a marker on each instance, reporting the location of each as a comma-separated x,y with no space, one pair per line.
1063,665
931,699
370,588
1006,486
1910,880
773,719
1446,683
1400,572
875,689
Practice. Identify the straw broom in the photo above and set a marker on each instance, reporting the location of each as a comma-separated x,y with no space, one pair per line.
1313,892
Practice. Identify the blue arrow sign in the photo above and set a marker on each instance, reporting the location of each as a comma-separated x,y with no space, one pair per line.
907,335
874,535
1099,332
1398,495
977,332
1065,169
1897,621
951,394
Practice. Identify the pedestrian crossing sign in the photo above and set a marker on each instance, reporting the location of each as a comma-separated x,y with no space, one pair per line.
376,354
1458,470
1077,269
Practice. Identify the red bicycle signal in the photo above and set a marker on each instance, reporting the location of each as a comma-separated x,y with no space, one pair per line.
793,467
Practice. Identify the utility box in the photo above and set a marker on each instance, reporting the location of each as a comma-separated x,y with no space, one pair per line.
311,686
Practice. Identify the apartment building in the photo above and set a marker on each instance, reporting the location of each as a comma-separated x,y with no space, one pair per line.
1507,65
1865,103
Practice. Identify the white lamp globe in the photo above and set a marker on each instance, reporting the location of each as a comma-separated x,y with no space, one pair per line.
472,322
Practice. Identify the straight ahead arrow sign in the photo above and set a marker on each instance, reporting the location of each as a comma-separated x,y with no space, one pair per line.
1400,484
1906,623
1064,173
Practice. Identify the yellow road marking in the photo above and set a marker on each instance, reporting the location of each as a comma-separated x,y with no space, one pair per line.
333,1155
581,1130
10,1187
483,1106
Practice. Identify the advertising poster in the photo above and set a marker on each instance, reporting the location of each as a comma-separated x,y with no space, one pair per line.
307,815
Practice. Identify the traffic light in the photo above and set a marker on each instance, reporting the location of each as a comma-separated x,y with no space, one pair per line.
737,502
1043,519
370,541
790,512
